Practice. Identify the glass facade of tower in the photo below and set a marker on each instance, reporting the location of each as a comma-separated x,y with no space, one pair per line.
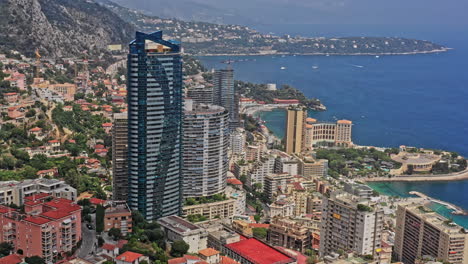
224,94
154,126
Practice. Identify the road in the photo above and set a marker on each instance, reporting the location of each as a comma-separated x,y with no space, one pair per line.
456,176
88,241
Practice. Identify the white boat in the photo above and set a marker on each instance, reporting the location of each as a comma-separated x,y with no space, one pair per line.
283,68
377,56
315,67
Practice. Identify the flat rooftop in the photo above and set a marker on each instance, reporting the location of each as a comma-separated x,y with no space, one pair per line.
258,252
177,224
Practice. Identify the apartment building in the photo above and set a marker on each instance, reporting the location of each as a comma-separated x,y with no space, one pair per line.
221,209
350,223
276,183
327,134
294,131
311,168
260,170
177,228
422,232
14,192
289,234
46,229
118,215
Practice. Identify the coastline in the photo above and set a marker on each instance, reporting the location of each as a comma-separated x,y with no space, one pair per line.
459,176
324,54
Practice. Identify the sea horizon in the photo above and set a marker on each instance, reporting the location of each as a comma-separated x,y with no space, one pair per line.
414,100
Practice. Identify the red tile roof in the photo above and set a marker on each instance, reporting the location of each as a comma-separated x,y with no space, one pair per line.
129,256
298,186
38,220
62,205
36,196
208,252
177,261
121,243
57,214
32,203
99,146
97,201
107,125
35,129
5,209
11,259
108,247
234,181
191,257
258,252
54,141
227,260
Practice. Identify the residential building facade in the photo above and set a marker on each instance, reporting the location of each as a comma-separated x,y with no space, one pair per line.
119,156
422,232
350,223
177,228
205,143
46,229
294,131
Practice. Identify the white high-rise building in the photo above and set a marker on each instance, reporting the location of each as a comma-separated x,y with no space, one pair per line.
205,144
238,140
261,169
350,223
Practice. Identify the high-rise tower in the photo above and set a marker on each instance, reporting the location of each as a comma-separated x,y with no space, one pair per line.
119,156
294,135
206,142
154,126
224,94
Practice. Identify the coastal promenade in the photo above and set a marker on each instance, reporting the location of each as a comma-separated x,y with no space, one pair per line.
457,176
456,210
252,110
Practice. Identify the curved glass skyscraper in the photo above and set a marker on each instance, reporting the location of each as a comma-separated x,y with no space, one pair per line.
154,126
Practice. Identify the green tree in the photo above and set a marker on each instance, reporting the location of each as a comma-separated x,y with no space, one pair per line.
35,260
259,232
5,249
39,162
257,218
99,218
179,248
115,233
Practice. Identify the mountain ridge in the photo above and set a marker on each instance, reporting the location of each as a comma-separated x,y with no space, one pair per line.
59,28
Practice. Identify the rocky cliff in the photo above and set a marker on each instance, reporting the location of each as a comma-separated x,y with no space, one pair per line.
60,28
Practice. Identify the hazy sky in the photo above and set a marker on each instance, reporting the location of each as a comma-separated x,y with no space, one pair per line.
317,11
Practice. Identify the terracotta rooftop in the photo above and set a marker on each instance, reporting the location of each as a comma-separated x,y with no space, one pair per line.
347,122
11,259
38,220
108,247
227,260
234,181
129,256
208,252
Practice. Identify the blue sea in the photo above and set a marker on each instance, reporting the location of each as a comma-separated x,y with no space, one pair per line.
416,100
